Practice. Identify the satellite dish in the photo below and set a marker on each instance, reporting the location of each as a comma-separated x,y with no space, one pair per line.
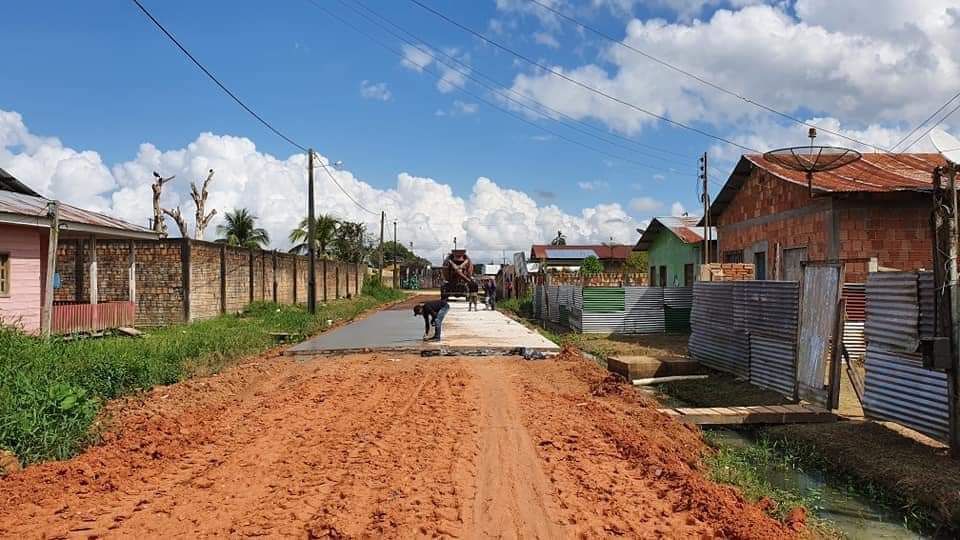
947,145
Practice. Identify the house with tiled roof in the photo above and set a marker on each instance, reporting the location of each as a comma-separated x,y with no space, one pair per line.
674,246
570,257
873,213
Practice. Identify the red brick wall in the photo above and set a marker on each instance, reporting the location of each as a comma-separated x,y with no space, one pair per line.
893,227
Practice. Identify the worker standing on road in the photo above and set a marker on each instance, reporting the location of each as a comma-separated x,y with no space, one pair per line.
490,287
473,294
433,313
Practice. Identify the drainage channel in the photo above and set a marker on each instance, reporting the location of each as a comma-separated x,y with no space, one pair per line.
854,515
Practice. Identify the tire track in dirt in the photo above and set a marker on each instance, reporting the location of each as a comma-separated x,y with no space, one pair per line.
513,497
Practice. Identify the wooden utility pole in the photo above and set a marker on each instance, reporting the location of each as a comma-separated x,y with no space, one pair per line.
46,313
383,217
396,273
953,375
706,209
311,239
200,200
159,225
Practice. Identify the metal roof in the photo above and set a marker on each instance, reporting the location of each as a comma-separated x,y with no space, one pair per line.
684,227
601,251
570,253
874,173
32,210
9,183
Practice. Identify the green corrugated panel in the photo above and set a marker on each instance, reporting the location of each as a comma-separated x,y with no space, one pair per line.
564,315
677,320
603,299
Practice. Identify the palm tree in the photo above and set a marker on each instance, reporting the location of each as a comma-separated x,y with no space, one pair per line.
325,231
239,229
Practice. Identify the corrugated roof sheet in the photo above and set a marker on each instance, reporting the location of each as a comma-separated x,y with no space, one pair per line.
553,253
617,252
36,207
684,227
874,172
9,183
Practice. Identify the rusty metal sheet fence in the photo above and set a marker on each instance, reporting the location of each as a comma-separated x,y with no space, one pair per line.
85,318
749,329
900,310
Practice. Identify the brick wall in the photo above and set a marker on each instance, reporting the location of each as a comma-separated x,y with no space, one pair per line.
770,216
204,280
160,288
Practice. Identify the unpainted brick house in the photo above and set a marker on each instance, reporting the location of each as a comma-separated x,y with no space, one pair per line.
872,213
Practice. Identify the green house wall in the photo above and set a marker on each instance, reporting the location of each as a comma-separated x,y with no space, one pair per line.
668,250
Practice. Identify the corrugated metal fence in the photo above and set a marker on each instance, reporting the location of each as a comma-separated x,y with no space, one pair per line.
900,310
621,310
749,329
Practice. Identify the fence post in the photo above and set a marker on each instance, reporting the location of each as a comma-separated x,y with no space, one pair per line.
185,264
323,264
250,266
274,276
223,278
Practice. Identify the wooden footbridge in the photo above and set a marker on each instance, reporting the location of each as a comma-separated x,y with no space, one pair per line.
767,414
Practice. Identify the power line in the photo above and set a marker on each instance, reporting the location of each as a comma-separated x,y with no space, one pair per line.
927,132
240,102
501,87
920,125
460,88
216,80
578,82
709,83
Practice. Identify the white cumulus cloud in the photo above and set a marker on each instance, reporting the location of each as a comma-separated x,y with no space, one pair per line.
487,220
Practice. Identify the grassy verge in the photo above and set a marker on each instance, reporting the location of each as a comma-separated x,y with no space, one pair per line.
51,392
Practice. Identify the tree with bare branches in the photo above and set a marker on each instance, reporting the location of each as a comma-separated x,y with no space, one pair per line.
200,200
178,218
159,224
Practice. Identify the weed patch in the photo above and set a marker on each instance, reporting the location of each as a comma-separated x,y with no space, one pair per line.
51,392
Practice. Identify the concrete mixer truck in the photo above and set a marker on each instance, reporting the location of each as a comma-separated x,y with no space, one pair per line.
457,274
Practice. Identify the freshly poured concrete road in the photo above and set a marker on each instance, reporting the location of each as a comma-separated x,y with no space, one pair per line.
395,330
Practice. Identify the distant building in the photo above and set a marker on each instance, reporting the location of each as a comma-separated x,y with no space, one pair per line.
25,249
674,247
872,213
570,257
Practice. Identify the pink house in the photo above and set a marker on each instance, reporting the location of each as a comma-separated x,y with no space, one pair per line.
31,226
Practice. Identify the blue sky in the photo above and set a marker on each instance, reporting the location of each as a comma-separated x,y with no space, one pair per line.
99,77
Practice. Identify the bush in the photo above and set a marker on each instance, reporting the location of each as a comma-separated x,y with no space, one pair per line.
51,392
519,306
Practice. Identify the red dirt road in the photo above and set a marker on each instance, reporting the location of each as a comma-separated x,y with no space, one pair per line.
380,446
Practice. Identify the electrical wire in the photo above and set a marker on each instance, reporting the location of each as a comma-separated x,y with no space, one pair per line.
502,88
575,81
932,115
460,88
932,127
699,78
216,80
241,103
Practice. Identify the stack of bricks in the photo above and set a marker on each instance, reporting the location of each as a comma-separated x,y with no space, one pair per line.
727,272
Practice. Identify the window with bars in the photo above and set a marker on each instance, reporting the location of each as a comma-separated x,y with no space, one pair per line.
4,274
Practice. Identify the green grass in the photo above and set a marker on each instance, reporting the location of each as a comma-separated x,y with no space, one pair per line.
51,392
745,467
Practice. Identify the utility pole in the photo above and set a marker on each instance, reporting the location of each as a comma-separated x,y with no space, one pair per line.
383,217
954,373
311,239
396,273
706,209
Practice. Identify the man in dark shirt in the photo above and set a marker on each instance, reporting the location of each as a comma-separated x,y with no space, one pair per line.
433,313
